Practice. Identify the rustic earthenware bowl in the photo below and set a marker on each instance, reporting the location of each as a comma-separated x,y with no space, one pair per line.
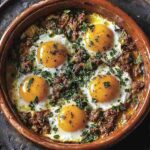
44,8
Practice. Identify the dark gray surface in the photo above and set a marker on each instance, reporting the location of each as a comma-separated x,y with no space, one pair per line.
10,139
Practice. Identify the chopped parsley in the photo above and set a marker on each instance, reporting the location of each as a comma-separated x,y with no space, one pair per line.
88,65
107,84
120,107
56,136
81,102
29,84
31,57
98,55
139,59
32,104
97,38
88,135
92,27
51,34
84,27
119,73
45,74
55,129
127,90
112,52
91,43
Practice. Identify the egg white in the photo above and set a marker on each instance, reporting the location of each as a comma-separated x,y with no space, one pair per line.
124,95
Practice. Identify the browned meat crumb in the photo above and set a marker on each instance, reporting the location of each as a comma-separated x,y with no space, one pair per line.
137,70
73,24
95,115
26,65
106,119
129,44
60,84
109,122
137,87
125,62
78,67
38,122
70,23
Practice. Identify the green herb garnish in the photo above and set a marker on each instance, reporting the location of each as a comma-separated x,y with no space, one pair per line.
84,27
32,104
56,136
29,84
107,84
139,59
31,57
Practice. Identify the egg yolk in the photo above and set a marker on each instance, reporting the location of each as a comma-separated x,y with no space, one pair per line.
51,54
105,88
71,118
99,39
32,87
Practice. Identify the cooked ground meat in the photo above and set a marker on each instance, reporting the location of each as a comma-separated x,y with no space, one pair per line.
137,70
38,122
108,124
126,61
137,87
25,64
129,44
72,24
60,84
107,119
78,67
96,115
50,23
95,62
69,23
79,57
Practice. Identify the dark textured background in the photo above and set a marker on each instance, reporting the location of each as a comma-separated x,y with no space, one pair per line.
138,140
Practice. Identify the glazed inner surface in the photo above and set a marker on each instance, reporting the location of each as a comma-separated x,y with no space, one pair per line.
75,76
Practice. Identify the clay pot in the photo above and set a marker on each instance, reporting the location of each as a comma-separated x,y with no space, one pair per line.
44,8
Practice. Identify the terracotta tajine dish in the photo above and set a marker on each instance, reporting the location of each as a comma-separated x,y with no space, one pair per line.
45,8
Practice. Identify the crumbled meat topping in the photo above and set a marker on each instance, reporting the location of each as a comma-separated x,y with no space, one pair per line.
38,122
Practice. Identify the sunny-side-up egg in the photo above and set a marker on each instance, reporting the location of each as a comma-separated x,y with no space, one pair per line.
30,89
67,123
51,52
102,38
108,87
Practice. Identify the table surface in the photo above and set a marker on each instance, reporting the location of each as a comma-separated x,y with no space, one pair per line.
10,139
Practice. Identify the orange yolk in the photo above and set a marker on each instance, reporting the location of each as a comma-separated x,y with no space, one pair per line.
105,88
32,87
52,54
71,118
99,39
